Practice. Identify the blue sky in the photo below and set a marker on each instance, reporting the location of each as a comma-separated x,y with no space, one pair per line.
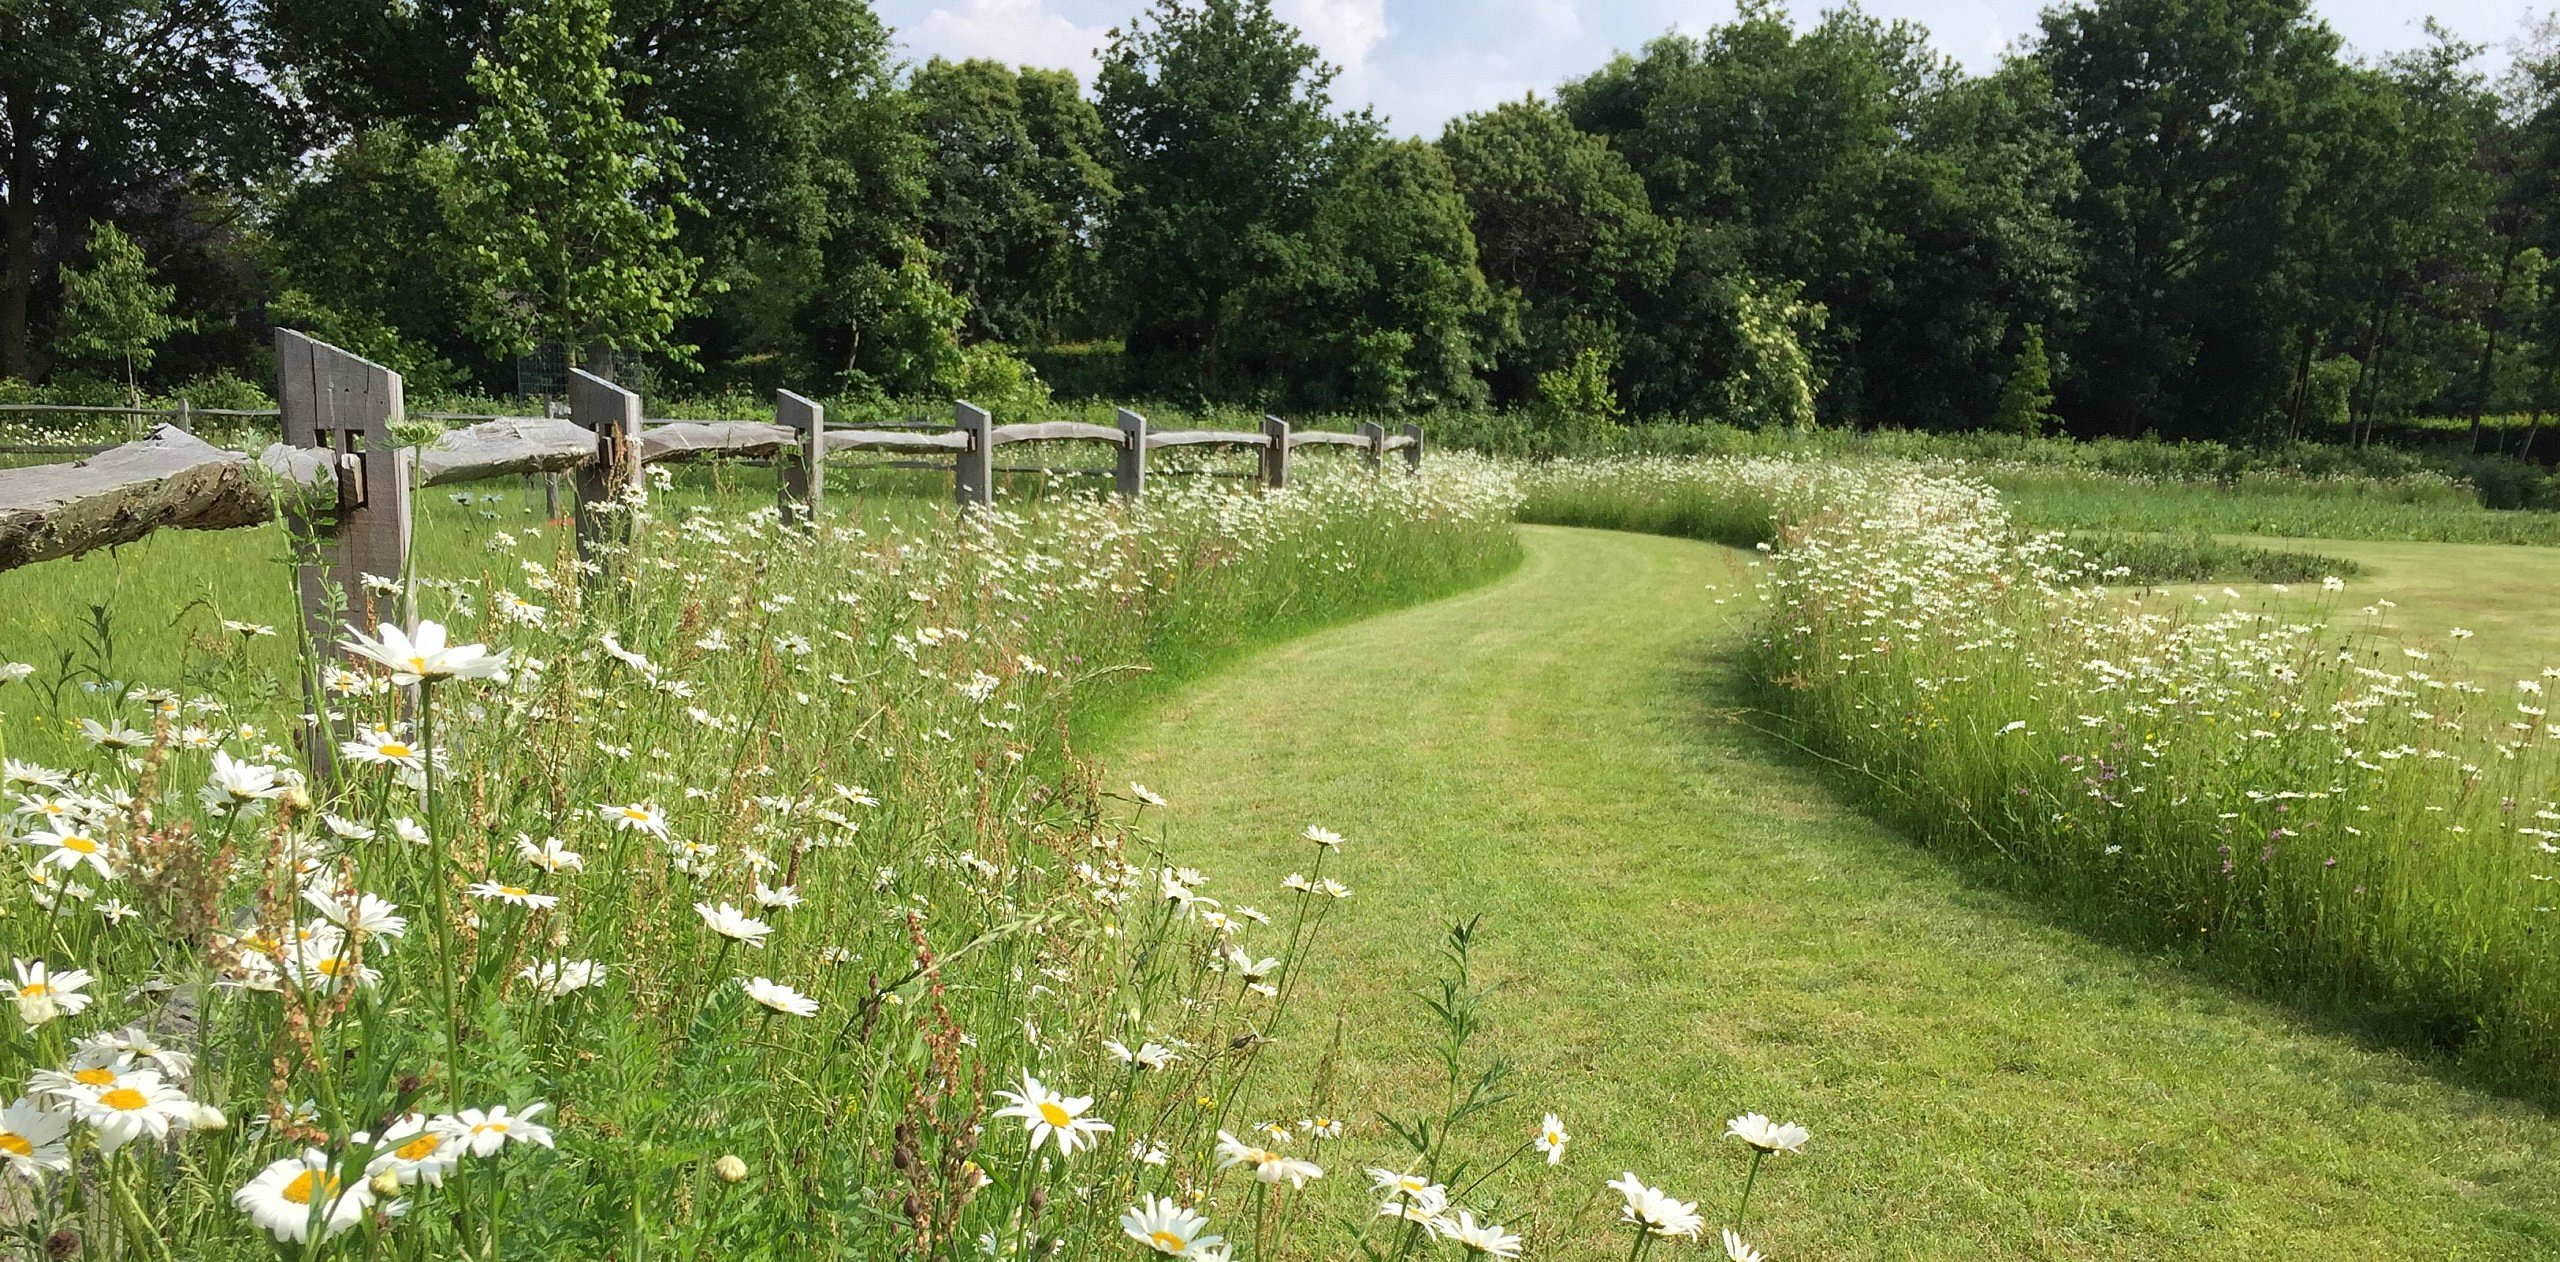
1423,62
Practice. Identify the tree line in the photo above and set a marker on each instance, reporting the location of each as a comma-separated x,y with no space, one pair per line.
2201,218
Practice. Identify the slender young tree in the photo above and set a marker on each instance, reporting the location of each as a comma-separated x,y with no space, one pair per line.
113,314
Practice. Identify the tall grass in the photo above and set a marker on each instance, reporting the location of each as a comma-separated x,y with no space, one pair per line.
762,891
2321,810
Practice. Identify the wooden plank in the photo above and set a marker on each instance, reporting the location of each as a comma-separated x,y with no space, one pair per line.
1129,468
973,475
1398,442
1325,438
1055,431
801,470
167,480
895,440
695,440
1202,437
1373,439
1275,452
520,444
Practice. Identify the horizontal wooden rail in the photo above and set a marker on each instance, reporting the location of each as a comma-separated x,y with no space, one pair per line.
1054,431
1398,442
1326,438
523,444
166,480
696,440
1204,437
895,440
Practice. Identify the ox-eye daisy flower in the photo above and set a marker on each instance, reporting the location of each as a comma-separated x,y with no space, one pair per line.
425,657
44,994
67,846
641,817
1767,1136
1162,1224
1324,837
1486,1239
733,924
141,1104
32,1138
513,894
779,997
1552,1139
416,1151
550,854
555,978
1268,1166
289,1195
1651,1211
483,1132
1735,1250
1046,1113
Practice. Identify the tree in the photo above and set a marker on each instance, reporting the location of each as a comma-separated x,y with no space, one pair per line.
569,210
1219,135
2026,400
112,312
1917,207
2192,123
1564,230
105,103
1017,191
1379,304
366,252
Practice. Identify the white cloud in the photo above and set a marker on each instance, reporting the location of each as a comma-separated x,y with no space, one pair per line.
1347,30
1019,32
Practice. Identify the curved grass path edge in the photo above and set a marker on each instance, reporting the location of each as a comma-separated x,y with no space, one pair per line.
1688,922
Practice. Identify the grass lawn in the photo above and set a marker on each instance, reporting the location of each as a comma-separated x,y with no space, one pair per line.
1687,923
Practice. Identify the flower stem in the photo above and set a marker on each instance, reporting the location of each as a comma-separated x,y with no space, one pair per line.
1757,1156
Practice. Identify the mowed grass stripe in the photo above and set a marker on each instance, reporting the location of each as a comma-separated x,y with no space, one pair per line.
1688,923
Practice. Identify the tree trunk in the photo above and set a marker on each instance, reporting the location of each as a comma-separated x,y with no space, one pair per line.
2541,392
2491,319
2301,401
18,250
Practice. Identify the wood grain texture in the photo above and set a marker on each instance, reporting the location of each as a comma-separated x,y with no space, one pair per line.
800,470
516,444
1056,431
169,479
1275,452
698,440
1206,437
1325,438
895,440
1373,436
1129,467
973,474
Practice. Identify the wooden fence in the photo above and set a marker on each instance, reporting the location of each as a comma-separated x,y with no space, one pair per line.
347,485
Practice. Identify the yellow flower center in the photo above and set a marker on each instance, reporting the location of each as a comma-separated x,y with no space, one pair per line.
94,1077
81,844
329,966
30,992
1055,1114
633,812
125,1099
419,1149
395,749
16,1145
418,664
1169,1242
308,1182
514,891
486,1127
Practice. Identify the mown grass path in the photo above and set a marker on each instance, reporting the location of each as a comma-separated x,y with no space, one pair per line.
1687,923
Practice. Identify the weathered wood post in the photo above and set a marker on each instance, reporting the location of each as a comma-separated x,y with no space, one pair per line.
613,413
1129,469
186,419
803,473
335,402
973,474
1413,454
1377,448
1275,452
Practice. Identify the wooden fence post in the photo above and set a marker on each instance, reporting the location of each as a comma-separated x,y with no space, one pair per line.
803,473
613,413
973,475
1129,470
1275,455
344,406
186,420
1377,448
1413,454
330,400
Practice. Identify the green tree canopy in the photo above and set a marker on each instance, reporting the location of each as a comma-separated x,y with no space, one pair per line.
1018,191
